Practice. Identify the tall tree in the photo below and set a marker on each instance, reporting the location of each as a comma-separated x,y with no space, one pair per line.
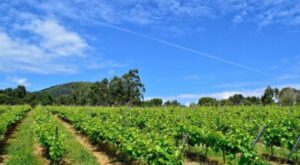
133,87
80,95
20,91
268,96
99,93
117,91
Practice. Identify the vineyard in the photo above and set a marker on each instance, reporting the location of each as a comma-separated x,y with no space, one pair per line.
158,135
10,115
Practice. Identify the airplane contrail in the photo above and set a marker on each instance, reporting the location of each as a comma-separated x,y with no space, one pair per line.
182,47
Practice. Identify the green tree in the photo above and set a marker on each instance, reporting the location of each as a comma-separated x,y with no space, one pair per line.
20,91
127,89
8,92
172,103
45,98
288,96
99,93
207,101
224,102
5,99
153,102
31,99
80,95
133,87
236,99
64,100
117,91
268,96
252,100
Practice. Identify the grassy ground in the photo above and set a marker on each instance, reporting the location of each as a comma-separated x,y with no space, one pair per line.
75,153
20,149
279,153
214,156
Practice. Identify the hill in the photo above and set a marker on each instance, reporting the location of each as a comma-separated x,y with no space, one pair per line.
65,89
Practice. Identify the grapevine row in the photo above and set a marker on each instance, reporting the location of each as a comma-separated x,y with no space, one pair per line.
154,135
48,134
10,115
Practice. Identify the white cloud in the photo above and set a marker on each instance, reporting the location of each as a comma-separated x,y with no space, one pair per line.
19,81
35,37
55,38
20,55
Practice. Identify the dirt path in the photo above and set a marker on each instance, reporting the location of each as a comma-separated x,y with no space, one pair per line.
102,157
190,162
39,152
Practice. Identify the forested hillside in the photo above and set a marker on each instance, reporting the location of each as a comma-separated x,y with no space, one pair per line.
65,89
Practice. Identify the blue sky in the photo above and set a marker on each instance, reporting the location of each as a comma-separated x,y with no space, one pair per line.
183,49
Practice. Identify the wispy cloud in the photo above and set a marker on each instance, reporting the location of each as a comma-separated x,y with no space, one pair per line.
168,13
136,12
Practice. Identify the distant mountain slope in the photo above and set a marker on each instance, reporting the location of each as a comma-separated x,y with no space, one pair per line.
64,89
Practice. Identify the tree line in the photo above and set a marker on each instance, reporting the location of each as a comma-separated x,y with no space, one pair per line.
285,96
271,96
124,90
128,89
